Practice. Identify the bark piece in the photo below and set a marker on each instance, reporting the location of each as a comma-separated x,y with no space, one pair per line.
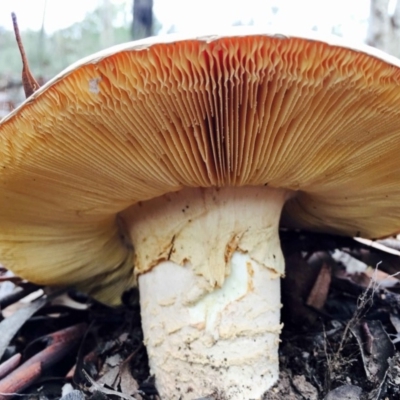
320,290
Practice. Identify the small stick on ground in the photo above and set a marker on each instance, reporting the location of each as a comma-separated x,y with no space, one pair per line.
7,366
60,343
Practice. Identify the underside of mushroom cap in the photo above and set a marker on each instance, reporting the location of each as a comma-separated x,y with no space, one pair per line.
154,117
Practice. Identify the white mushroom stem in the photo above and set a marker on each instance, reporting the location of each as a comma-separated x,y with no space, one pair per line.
208,264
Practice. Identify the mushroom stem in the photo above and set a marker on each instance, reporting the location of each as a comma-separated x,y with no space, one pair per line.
208,264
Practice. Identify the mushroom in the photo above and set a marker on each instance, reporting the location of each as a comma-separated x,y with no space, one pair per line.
176,156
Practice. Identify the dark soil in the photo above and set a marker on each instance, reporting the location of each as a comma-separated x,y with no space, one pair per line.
339,339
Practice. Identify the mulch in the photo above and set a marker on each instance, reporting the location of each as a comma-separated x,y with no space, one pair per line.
341,336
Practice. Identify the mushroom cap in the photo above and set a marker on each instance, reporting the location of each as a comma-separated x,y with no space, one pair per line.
150,117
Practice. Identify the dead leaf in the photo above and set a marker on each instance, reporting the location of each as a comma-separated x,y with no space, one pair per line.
128,383
345,392
11,325
305,388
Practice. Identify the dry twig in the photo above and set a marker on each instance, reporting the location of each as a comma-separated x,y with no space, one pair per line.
29,82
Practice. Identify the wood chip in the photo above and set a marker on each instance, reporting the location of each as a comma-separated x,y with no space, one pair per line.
320,290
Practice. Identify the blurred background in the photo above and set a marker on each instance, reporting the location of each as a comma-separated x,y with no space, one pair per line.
56,33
